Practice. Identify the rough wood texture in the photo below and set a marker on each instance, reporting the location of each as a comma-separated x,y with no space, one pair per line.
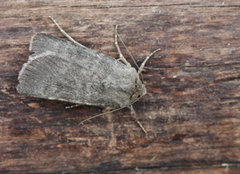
191,110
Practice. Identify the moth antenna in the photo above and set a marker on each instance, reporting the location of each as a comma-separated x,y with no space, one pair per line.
119,51
127,50
100,115
144,62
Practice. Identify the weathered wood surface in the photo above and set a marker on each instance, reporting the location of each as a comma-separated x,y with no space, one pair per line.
191,111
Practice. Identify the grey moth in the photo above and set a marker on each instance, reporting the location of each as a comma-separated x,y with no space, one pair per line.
68,71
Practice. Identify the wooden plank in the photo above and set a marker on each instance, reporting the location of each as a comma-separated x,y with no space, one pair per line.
191,111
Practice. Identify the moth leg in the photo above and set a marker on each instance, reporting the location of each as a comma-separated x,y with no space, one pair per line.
134,115
72,106
63,32
119,51
144,62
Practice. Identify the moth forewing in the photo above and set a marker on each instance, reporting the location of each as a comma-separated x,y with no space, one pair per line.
62,70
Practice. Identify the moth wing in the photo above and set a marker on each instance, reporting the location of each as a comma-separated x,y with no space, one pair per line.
63,70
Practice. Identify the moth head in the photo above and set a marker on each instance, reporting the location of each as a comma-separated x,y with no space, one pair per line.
140,90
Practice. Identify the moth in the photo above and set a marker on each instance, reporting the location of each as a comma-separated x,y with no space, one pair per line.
68,71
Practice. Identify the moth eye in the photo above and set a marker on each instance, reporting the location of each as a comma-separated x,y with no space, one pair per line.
139,96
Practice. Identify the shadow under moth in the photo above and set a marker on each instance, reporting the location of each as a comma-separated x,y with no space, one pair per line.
68,71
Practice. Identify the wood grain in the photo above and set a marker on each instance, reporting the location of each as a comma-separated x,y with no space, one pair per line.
191,111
